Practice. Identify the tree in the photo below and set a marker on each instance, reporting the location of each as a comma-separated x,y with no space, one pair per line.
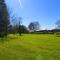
34,26
4,19
58,24
10,30
14,24
24,29
20,26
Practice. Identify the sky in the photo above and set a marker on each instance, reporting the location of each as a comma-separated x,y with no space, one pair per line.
46,12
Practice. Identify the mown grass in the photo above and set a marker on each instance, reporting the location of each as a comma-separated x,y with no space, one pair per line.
29,47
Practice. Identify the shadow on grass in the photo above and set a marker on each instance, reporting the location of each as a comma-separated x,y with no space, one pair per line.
3,39
57,36
9,38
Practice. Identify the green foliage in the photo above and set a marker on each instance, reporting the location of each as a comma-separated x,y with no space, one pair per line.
4,19
22,29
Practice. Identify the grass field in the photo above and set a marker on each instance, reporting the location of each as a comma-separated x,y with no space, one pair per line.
30,47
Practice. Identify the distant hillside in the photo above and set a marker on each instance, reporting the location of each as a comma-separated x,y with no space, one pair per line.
46,31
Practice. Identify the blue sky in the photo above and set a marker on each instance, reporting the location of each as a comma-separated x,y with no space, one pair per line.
46,12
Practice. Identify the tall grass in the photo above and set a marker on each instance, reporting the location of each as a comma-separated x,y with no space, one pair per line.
30,47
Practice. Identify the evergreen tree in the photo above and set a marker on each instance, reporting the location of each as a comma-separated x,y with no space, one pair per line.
4,19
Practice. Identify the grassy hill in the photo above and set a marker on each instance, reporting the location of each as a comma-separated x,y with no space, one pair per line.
30,47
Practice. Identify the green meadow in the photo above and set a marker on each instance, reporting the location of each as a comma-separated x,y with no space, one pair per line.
30,47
